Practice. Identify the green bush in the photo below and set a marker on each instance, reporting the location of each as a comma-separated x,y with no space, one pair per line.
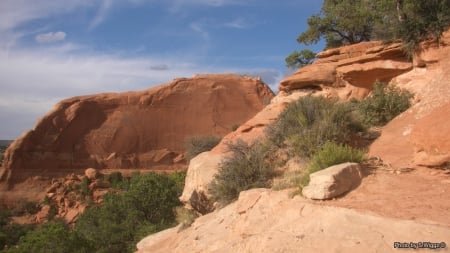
199,144
384,104
250,166
310,122
147,206
330,154
52,237
115,179
185,216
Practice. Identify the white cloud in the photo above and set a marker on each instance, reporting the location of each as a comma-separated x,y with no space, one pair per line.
50,37
238,23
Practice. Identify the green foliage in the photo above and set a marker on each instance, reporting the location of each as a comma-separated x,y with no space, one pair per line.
199,144
84,186
25,207
146,207
250,166
115,179
185,216
10,233
343,22
310,122
424,19
331,154
384,104
52,237
300,59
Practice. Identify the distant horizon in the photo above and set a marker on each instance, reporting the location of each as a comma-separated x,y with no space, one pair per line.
54,50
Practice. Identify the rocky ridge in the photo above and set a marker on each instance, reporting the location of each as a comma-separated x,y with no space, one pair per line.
133,130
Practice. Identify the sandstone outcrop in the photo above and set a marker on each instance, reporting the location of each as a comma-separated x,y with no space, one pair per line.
333,181
419,136
266,221
351,70
133,130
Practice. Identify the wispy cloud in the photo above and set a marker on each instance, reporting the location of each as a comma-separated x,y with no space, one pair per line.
102,13
238,23
50,37
200,29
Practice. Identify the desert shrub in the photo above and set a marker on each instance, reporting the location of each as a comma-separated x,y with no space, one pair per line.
25,207
234,127
331,154
53,236
147,206
11,233
310,122
384,104
84,187
249,166
185,216
199,144
115,179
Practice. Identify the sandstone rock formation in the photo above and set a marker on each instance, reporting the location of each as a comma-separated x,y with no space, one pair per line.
419,136
266,221
344,72
352,70
333,181
138,130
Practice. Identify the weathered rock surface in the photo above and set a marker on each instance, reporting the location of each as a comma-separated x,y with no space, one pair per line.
140,130
266,221
333,181
419,136
351,70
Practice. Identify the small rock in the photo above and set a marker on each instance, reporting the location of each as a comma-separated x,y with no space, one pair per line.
91,173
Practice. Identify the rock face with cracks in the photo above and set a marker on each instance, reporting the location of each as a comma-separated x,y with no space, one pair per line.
133,130
351,70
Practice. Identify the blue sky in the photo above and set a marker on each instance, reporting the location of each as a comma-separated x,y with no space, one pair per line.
54,49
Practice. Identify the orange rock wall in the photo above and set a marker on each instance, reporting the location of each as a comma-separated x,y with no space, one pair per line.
144,129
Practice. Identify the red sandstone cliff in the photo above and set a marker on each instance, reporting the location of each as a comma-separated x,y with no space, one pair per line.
141,130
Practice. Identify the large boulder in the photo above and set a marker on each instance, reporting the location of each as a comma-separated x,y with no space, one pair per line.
333,181
137,130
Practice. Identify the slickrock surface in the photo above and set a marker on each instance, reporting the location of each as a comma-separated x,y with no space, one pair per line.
266,221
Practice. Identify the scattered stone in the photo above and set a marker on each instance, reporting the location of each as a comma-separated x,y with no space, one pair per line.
91,173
